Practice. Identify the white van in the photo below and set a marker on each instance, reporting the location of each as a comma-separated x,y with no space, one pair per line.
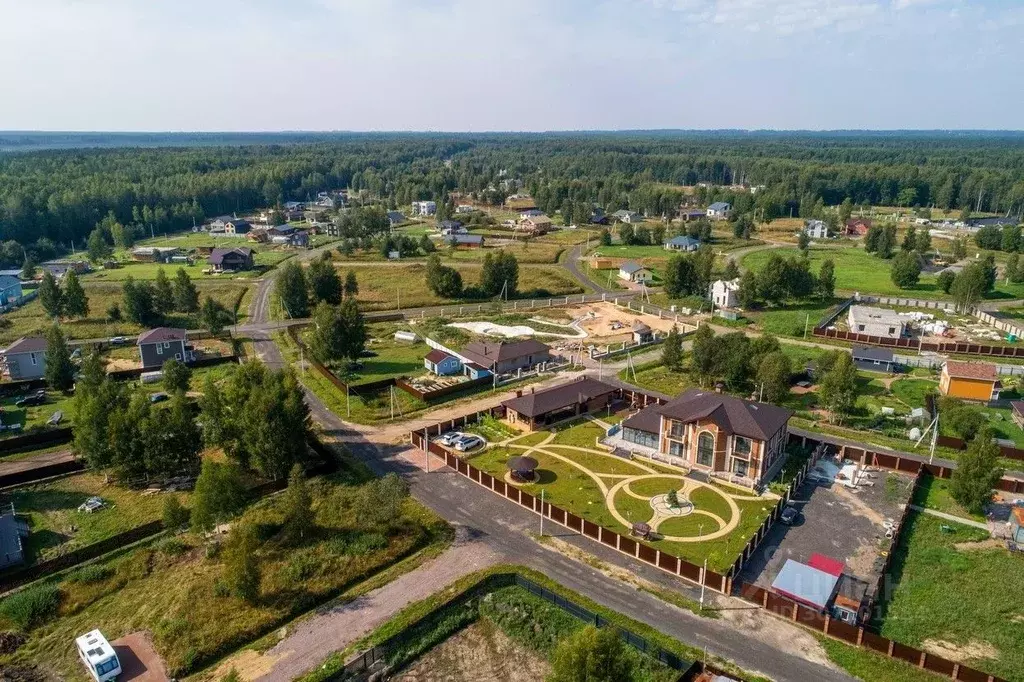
98,656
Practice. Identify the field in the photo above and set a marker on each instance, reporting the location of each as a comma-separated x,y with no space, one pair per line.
577,475
58,527
393,358
174,588
30,320
955,595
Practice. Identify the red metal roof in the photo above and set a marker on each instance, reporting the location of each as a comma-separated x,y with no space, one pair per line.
827,564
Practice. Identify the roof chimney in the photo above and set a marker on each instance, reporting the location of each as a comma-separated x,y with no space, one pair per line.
718,387
533,389
519,393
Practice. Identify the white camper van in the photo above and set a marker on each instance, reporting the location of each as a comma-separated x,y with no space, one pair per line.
98,656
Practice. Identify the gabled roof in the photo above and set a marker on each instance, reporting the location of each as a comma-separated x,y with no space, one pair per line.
465,238
719,206
435,356
641,328
161,334
971,370
27,344
487,354
869,353
7,281
217,255
630,267
647,420
733,415
805,584
558,397
683,240
395,216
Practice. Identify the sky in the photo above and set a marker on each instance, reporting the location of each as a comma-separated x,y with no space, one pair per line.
484,65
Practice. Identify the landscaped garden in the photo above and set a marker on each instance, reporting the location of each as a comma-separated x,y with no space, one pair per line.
690,519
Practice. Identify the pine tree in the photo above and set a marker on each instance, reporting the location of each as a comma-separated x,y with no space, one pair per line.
214,316
76,303
50,296
298,510
672,350
60,371
186,296
28,268
731,270
163,293
351,284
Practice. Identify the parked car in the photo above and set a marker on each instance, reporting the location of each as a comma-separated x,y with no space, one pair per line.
468,442
789,515
450,438
37,398
76,353
118,340
159,397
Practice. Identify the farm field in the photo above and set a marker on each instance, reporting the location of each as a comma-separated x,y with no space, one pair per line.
950,596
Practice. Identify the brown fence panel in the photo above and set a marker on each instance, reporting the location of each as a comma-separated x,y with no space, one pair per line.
529,501
1011,453
648,554
609,538
574,522
906,653
971,675
875,642
557,515
36,439
937,664
715,581
590,529
854,453
910,466
39,473
627,545
751,592
779,604
486,480
883,460
688,570
668,562
810,617
951,442
843,631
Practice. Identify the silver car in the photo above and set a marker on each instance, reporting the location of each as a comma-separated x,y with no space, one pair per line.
468,442
450,438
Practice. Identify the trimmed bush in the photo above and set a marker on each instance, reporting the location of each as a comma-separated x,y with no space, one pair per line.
32,606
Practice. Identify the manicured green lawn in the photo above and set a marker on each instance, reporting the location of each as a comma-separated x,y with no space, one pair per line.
34,417
968,597
659,378
581,434
600,464
912,391
56,526
657,252
791,320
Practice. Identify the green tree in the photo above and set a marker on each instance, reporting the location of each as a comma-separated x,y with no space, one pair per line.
945,280
241,566
50,296
969,286
28,267
672,498
500,273
76,303
731,270
292,290
839,388
444,281
270,420
298,507
138,302
324,282
60,371
219,494
1012,267
171,438
626,235
803,241
825,284
905,270
591,655
214,316
909,239
886,242
354,327
427,245
114,312
327,337
176,375
845,210
97,247
672,350
977,473
872,238
351,284
958,247
1010,238
213,414
175,514
923,244
186,296
606,238
703,354
748,294
163,293
963,420
773,375
378,505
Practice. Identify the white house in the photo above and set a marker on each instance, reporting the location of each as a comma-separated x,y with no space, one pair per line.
682,243
424,207
816,229
719,210
631,271
724,293
875,321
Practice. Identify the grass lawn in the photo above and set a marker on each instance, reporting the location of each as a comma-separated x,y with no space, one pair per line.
393,358
933,493
57,526
174,588
533,251
966,597
581,434
34,417
658,377
30,320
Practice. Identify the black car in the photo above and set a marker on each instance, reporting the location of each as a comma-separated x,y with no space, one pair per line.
37,398
789,515
159,397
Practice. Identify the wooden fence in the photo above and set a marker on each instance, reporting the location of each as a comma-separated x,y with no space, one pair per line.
36,439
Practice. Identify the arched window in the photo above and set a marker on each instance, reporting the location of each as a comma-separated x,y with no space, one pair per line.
705,449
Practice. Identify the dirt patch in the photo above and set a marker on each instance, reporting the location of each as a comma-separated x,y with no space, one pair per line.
10,641
857,505
972,650
606,322
991,543
249,664
479,653
139,660
863,560
120,364
790,639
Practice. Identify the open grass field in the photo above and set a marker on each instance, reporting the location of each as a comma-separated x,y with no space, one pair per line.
30,320
956,593
175,589
56,526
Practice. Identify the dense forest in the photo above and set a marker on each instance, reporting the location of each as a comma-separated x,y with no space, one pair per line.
51,198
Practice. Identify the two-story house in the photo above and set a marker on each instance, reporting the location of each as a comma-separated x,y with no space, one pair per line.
741,440
238,258
10,290
719,210
159,345
26,358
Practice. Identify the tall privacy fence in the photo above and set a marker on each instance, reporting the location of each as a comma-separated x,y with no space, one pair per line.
463,609
729,583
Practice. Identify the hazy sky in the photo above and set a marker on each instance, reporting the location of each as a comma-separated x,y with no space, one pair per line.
509,65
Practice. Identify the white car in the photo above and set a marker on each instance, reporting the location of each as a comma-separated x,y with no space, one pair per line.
468,442
450,438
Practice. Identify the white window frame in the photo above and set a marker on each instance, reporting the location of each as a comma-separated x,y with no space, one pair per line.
32,356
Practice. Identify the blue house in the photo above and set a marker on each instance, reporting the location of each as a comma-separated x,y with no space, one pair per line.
442,364
10,290
682,243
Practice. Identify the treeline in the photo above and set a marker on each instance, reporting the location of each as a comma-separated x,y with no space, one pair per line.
49,200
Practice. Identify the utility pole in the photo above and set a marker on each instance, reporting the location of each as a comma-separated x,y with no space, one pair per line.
807,322
703,575
542,512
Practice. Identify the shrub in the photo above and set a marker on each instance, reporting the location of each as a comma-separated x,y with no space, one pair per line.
302,565
93,573
175,514
173,547
32,606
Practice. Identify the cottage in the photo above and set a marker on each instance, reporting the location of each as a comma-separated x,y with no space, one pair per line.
505,357
875,321
642,333
26,358
538,409
12,530
448,227
159,345
426,208
725,293
816,229
682,243
857,227
58,268
970,381
999,221
740,440
535,225
464,208
237,226
442,364
395,219
238,258
873,359
10,290
470,240
719,210
154,254
530,213
631,271
597,217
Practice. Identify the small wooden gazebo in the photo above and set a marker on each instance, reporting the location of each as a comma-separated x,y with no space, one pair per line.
523,468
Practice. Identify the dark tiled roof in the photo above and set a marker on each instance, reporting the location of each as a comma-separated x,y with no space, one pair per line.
217,255
489,353
631,267
868,353
555,398
971,370
436,356
161,334
647,420
27,344
732,415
